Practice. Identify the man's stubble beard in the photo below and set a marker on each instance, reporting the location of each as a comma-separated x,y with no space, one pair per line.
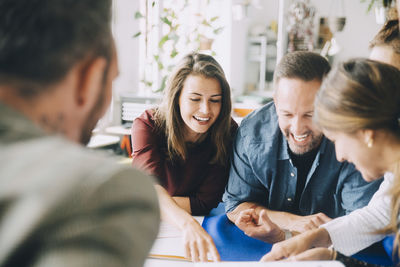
315,142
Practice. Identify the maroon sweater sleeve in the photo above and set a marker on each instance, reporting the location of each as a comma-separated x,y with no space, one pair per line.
146,147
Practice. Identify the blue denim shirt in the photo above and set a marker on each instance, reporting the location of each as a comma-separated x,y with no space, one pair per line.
262,172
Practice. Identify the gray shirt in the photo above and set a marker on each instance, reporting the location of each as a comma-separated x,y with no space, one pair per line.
62,205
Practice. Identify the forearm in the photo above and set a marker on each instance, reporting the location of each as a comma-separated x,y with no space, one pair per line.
184,203
285,220
171,211
319,237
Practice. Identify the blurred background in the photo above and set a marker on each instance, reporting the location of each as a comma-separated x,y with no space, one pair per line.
247,37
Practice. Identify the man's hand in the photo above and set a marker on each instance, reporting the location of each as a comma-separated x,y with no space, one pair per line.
305,223
259,226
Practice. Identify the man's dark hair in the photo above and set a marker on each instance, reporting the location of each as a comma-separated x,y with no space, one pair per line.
305,66
41,40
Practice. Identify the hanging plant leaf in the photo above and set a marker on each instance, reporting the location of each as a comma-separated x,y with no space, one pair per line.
160,65
166,21
137,34
206,23
218,30
370,5
147,83
163,84
214,18
138,15
173,53
153,3
163,40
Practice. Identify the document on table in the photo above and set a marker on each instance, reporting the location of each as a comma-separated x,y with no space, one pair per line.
169,243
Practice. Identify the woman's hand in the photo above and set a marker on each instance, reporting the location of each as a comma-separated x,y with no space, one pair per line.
199,245
298,244
313,255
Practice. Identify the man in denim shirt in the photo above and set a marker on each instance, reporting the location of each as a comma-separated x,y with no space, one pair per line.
284,175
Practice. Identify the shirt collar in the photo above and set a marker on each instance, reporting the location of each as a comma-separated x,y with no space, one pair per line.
14,126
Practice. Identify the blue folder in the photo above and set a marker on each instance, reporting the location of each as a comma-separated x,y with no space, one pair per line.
234,245
231,242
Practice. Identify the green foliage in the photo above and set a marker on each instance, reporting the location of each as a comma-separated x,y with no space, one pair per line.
168,42
371,3
137,34
138,15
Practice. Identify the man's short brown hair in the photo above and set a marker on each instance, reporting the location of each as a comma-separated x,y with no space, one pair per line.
302,65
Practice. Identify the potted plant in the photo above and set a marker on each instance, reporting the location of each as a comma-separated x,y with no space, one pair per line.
384,9
174,37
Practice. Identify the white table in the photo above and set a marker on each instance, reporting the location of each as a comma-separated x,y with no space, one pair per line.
169,242
118,130
102,140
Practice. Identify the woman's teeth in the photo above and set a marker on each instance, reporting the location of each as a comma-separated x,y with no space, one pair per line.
201,119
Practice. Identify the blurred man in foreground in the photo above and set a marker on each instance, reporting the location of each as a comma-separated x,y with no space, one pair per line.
62,205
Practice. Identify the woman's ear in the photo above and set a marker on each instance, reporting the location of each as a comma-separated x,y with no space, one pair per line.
368,137
90,82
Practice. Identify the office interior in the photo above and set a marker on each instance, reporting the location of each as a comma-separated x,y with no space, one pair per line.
247,37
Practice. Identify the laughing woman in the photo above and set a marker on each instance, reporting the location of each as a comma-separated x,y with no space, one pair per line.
185,143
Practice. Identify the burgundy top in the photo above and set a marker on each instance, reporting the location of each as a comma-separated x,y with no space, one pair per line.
196,178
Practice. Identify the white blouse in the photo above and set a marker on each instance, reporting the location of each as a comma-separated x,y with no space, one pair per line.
357,230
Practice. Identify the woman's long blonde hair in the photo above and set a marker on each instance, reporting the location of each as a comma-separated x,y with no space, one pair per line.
363,94
168,118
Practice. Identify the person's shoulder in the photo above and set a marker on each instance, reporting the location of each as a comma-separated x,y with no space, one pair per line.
263,115
145,125
147,117
67,167
234,126
97,162
262,120
78,163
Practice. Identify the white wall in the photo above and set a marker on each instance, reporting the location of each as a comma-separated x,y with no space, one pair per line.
124,28
360,27
231,46
354,40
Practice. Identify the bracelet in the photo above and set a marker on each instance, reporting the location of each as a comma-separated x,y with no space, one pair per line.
288,234
333,254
